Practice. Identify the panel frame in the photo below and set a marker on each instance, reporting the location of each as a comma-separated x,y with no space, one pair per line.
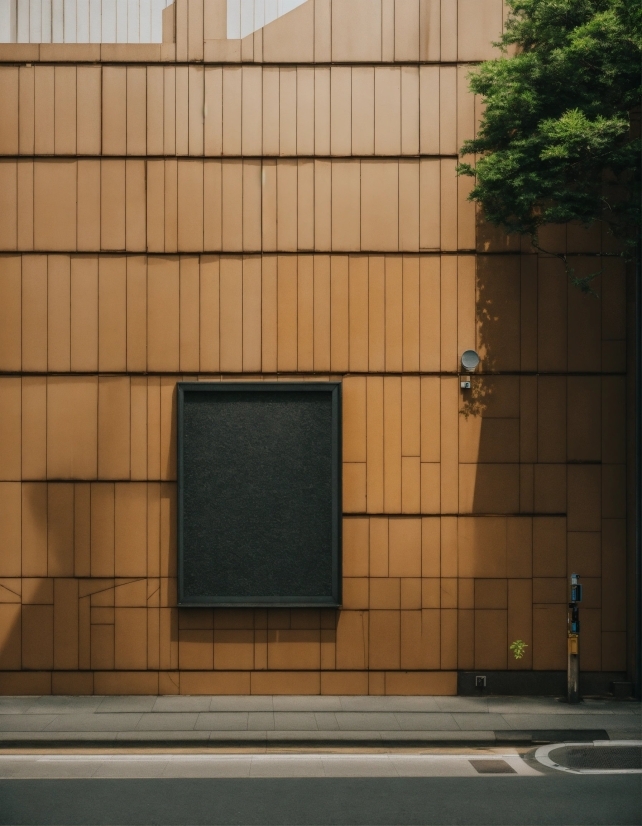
335,389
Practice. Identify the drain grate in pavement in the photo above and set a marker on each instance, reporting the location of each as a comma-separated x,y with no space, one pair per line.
492,767
598,757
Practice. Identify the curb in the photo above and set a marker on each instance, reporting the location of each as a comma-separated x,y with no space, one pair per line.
294,739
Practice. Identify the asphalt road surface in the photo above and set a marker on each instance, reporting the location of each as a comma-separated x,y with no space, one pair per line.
451,792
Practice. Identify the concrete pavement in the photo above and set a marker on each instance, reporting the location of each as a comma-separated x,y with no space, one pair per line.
259,721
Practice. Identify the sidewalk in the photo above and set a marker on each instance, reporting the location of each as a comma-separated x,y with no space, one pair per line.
259,721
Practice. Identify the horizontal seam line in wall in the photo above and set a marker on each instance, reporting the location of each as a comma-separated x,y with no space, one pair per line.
295,373
217,64
233,670
231,157
424,252
344,514
466,515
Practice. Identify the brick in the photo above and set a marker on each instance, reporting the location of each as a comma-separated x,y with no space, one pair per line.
549,637
285,682
420,639
288,649
344,683
72,683
10,637
384,639
356,536
405,547
482,547
196,650
550,590
549,546
352,640
491,641
385,593
128,682
198,682
443,683
491,593
234,650
356,592
37,637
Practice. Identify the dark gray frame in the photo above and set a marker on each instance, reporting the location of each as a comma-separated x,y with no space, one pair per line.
281,602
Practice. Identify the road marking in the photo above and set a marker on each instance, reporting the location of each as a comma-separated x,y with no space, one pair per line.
541,755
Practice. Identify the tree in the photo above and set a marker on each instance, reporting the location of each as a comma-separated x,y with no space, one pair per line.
559,138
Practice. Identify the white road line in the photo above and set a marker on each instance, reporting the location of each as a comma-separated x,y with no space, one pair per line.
541,755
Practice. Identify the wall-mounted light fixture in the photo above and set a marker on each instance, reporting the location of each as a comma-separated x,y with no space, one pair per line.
469,361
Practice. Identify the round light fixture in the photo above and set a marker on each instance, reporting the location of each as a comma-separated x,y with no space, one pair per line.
470,361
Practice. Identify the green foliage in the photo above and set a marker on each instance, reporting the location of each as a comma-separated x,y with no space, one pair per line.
559,140
518,648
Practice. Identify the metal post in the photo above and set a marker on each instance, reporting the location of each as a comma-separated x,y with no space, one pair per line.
573,667
637,488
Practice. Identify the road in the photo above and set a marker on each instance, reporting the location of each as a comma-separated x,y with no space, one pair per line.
450,792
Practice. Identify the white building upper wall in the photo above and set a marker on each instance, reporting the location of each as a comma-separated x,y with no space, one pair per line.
254,31
119,21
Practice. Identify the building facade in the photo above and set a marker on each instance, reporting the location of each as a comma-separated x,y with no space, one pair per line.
284,206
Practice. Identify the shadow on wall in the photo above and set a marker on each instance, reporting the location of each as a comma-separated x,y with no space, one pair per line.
496,545
532,444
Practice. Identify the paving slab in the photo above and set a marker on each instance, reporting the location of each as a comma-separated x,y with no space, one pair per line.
570,721
71,737
25,722
15,705
368,721
473,721
326,721
94,722
316,720
295,721
64,705
109,705
160,721
260,720
222,721
164,736
425,721
479,704
552,705
307,703
390,704
178,704
242,703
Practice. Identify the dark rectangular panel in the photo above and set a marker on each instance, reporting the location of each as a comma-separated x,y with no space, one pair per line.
259,493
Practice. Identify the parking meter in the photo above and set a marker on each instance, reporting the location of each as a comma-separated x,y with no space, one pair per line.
573,666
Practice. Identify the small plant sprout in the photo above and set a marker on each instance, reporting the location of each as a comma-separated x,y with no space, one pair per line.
518,647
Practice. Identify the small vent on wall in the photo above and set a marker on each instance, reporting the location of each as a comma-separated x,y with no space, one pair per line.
119,21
